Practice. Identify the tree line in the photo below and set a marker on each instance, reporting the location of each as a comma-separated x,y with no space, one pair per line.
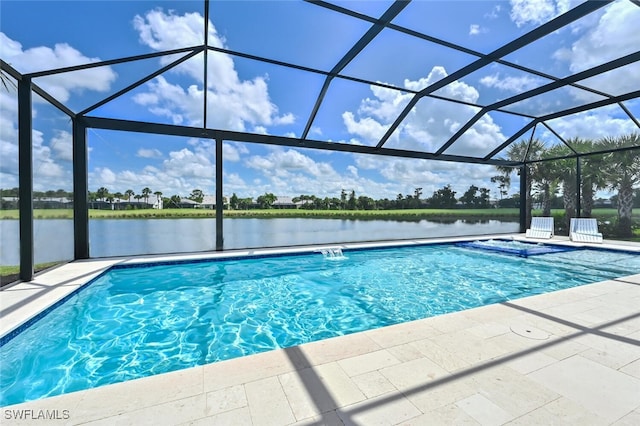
443,198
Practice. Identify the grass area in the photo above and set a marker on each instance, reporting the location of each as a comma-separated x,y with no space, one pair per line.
9,274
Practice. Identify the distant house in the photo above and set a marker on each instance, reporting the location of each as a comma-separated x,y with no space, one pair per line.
284,202
208,202
52,203
152,202
186,203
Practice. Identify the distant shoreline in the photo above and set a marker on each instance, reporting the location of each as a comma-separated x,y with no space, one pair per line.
408,214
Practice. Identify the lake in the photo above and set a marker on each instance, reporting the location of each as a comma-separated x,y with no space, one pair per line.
118,237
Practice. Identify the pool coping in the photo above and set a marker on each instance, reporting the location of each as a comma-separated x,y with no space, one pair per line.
56,284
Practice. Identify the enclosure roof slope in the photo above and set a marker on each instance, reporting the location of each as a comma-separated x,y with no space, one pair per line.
455,81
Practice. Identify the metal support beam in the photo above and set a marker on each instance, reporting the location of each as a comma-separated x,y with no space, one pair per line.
228,135
80,191
578,188
219,197
25,179
375,29
539,32
524,208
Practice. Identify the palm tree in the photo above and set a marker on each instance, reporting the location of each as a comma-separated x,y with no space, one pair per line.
118,196
591,173
145,194
564,170
175,201
102,193
129,193
621,173
520,151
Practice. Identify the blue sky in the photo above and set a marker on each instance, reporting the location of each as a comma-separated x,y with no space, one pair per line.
254,97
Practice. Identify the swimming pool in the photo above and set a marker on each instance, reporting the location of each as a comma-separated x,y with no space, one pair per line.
138,321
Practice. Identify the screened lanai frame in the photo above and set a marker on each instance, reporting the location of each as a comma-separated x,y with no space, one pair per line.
84,120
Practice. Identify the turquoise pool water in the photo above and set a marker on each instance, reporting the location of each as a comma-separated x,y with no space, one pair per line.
139,321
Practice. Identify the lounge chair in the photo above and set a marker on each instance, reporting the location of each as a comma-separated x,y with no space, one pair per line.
541,227
585,230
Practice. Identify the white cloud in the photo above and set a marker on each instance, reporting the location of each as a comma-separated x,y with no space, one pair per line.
495,12
614,34
592,125
536,12
431,122
475,29
149,153
60,86
62,145
183,171
511,84
231,151
234,104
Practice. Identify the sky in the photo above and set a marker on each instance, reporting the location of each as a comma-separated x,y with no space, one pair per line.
251,96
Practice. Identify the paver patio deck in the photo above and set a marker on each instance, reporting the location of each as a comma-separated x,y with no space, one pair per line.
567,357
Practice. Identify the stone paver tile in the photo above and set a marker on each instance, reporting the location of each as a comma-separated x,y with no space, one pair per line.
514,343
530,362
115,399
496,313
490,329
237,417
372,361
601,390
631,279
561,412
624,328
319,389
447,415
226,399
416,373
399,334
268,403
609,351
224,374
469,347
514,392
445,359
564,348
405,352
573,311
483,410
633,369
631,419
171,413
387,409
452,322
554,328
373,384
443,395
337,348
330,418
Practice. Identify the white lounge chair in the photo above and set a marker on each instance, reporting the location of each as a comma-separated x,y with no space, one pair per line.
541,227
585,230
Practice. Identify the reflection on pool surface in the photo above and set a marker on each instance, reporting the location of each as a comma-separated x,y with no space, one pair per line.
138,321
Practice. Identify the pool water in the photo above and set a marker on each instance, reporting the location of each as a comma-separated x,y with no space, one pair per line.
134,322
